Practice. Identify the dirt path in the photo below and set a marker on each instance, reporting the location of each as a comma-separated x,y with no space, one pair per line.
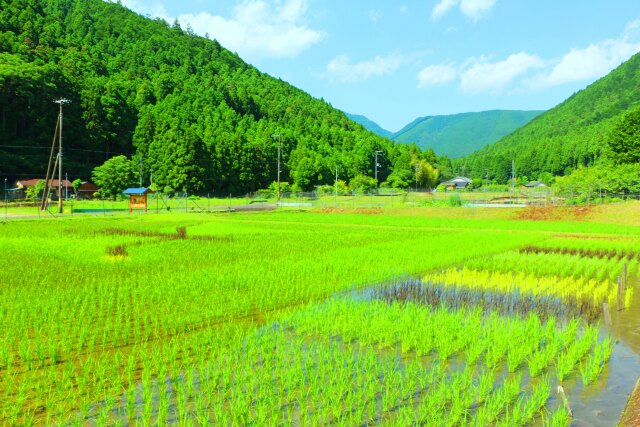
631,415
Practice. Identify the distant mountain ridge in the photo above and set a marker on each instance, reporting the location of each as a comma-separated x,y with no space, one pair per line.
455,135
370,125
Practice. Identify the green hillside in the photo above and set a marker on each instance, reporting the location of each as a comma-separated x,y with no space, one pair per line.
461,134
370,125
570,135
192,114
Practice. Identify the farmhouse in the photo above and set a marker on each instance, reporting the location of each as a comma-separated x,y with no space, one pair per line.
457,183
23,185
535,184
87,190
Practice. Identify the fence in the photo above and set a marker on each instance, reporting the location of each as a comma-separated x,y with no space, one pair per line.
382,198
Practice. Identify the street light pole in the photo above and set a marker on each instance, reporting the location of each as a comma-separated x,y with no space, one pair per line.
376,166
277,136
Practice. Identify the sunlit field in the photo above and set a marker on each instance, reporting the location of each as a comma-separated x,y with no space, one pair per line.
333,316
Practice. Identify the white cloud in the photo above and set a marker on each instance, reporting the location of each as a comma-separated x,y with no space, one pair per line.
473,9
257,28
155,10
596,60
375,15
440,9
341,69
484,76
435,75
525,73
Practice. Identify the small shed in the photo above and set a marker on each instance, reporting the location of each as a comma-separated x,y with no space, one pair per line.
137,197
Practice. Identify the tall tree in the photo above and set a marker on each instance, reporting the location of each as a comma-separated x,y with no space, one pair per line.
114,176
624,139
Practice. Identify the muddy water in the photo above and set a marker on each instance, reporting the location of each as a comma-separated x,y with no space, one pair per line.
603,403
626,328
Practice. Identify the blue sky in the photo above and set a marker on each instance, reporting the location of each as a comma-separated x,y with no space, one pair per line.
396,61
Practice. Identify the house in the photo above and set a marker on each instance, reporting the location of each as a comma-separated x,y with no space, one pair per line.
457,183
535,184
23,185
87,190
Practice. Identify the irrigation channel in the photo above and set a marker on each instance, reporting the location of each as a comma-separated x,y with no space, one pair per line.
345,368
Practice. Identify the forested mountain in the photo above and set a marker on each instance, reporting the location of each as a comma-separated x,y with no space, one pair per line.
572,134
458,135
454,135
370,125
193,115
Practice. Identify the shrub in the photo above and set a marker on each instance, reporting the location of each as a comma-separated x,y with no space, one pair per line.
455,200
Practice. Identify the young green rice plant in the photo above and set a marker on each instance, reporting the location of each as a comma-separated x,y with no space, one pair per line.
560,418
539,360
317,256
538,399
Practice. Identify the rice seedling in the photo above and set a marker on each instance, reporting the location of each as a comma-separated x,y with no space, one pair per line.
237,327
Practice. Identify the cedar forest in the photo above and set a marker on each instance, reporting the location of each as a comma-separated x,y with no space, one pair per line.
192,116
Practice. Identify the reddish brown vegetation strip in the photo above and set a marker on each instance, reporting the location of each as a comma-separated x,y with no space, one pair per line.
589,237
553,213
588,253
117,250
181,233
362,211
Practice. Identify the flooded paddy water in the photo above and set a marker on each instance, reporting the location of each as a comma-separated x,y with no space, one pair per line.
599,404
260,367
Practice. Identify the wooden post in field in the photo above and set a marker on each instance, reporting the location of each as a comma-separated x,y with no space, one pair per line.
607,315
566,401
620,294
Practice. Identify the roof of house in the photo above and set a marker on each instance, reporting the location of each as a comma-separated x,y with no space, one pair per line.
87,184
458,180
31,182
536,184
139,191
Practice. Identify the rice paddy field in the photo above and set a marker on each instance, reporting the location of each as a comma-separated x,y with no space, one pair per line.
443,317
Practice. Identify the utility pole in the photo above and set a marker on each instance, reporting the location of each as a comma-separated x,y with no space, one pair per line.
6,202
376,166
486,186
60,102
513,176
66,186
417,169
336,183
277,136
